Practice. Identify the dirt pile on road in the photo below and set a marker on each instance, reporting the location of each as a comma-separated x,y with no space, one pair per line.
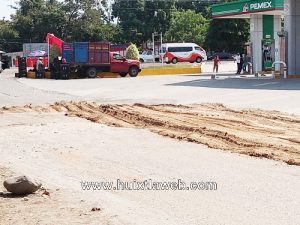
255,132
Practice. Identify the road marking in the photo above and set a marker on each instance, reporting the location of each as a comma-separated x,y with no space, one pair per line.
256,85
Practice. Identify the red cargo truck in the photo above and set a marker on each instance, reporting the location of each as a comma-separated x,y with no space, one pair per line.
88,59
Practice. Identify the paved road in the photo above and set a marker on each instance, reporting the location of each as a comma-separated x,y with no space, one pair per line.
250,190
263,93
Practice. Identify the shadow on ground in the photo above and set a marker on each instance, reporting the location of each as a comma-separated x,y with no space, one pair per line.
11,195
243,83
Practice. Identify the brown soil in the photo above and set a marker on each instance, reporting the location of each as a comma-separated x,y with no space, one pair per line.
255,132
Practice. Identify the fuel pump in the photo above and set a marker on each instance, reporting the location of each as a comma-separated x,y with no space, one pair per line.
268,53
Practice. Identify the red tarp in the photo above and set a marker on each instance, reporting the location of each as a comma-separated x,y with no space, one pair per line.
52,40
32,61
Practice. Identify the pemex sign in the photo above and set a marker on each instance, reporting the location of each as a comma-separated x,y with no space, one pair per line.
261,6
245,7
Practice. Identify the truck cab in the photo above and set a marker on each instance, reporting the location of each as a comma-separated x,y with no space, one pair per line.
123,66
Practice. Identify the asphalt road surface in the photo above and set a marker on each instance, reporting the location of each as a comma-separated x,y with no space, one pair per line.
62,151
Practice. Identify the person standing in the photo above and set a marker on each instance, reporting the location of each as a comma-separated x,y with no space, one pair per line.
40,68
245,63
241,63
237,59
56,68
216,64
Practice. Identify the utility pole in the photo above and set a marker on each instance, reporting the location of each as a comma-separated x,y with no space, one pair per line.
153,43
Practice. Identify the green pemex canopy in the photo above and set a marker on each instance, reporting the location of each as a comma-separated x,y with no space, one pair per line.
243,8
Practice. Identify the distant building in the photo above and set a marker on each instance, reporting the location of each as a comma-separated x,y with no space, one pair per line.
12,58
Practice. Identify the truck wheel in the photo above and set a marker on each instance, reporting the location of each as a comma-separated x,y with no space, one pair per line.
174,60
123,74
142,61
199,60
91,72
133,71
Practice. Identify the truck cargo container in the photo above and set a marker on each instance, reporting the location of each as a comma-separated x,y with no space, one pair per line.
81,52
99,53
68,52
91,58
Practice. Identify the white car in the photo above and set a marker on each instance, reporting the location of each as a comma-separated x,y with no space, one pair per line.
147,56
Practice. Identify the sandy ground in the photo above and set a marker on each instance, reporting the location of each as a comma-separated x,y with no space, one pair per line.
259,133
62,151
95,138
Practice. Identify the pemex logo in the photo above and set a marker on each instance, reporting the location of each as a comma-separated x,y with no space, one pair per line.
246,8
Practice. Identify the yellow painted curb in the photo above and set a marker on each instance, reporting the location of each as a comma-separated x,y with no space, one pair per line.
293,76
144,72
169,71
157,71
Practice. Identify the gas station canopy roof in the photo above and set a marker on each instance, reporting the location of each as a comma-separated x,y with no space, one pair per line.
244,8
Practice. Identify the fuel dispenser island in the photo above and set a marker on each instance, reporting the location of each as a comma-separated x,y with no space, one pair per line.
268,54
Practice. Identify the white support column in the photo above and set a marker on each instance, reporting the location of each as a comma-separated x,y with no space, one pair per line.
292,21
277,28
256,36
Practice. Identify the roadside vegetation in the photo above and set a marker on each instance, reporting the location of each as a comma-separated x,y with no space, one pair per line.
124,21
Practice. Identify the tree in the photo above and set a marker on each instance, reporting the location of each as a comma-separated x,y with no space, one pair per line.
9,38
187,26
35,18
132,52
84,20
228,35
130,19
80,20
199,6
138,19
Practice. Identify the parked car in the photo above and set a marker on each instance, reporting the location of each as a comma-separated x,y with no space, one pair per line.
147,56
222,56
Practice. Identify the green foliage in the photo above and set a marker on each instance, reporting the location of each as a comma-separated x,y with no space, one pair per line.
70,20
199,6
227,35
132,52
187,26
9,37
136,20
85,22
34,19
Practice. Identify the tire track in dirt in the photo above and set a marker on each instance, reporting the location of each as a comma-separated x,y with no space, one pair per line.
255,132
